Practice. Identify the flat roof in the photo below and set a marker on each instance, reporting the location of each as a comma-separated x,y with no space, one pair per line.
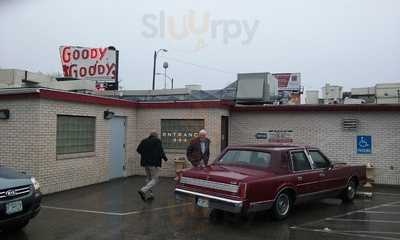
23,93
318,108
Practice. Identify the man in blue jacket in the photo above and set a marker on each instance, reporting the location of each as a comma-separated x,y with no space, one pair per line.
151,152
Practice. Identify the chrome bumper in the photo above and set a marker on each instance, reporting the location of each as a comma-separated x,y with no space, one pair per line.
221,203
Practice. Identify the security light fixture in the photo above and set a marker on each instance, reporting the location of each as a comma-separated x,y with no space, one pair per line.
108,114
4,114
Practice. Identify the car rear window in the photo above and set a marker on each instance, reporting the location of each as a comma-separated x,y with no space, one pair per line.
247,158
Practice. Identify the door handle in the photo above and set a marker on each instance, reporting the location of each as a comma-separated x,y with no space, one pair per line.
300,179
322,175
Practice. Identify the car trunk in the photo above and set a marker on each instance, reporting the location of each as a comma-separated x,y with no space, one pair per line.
227,173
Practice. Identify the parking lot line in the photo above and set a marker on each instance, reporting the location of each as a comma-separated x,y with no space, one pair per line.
82,211
360,220
348,213
380,212
116,213
345,233
387,194
372,232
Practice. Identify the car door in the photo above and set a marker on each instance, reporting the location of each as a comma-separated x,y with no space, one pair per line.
331,178
305,177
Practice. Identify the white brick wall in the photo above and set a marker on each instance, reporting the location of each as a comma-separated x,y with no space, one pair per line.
28,138
324,130
150,119
28,143
19,135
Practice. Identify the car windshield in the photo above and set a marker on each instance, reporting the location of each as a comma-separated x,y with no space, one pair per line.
247,158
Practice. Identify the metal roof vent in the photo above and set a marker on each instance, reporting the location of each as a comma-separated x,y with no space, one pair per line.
350,123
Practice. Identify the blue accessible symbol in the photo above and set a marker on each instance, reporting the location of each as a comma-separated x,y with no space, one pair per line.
364,144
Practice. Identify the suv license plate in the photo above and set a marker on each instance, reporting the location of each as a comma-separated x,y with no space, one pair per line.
202,202
14,207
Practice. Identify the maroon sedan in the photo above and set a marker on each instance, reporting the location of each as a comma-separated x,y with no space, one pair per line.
251,178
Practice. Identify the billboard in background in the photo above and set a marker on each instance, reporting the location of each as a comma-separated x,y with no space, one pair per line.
288,81
99,64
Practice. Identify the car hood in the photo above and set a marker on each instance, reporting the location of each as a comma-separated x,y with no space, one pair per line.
227,174
9,178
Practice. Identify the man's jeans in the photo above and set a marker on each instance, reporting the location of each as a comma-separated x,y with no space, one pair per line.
151,178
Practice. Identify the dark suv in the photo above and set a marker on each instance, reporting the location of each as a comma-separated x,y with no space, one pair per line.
20,199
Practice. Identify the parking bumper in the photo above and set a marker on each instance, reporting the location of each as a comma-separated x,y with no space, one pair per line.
215,202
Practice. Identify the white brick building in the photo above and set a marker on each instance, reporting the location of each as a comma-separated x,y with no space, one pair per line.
37,136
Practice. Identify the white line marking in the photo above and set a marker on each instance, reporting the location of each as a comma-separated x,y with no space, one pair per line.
83,210
373,232
116,213
388,194
360,220
350,213
363,236
380,212
158,209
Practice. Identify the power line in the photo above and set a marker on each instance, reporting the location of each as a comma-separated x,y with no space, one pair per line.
198,65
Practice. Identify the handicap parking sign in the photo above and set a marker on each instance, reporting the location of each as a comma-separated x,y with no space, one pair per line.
364,144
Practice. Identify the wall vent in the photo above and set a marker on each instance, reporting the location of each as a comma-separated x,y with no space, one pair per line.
350,123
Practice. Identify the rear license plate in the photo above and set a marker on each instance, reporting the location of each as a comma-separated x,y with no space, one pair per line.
202,202
14,207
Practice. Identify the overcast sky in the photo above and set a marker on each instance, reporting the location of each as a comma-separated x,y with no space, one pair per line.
353,43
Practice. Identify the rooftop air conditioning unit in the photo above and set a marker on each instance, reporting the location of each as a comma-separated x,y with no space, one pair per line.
256,88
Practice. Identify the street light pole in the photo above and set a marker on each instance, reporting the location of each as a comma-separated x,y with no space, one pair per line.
154,65
154,70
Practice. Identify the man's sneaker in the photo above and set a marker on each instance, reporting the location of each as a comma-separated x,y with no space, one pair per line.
142,195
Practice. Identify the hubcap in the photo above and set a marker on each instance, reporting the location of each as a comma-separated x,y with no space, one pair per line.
283,204
351,190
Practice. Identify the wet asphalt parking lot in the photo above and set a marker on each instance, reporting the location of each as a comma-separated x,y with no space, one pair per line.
114,210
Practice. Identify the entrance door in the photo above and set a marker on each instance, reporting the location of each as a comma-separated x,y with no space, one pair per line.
117,160
224,132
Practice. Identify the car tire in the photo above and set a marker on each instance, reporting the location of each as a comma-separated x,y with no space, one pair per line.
349,193
282,206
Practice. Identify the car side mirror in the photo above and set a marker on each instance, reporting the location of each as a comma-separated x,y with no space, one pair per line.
331,167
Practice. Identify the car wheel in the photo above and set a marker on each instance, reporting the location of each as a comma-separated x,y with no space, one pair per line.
350,192
282,206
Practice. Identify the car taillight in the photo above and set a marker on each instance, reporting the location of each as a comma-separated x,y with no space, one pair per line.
242,190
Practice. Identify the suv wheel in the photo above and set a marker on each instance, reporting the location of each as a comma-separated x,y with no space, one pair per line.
349,193
282,206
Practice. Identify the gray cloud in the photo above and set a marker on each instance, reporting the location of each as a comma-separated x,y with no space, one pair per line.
348,42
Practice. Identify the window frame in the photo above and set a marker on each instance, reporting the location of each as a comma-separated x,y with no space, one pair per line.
322,154
218,162
292,161
80,153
